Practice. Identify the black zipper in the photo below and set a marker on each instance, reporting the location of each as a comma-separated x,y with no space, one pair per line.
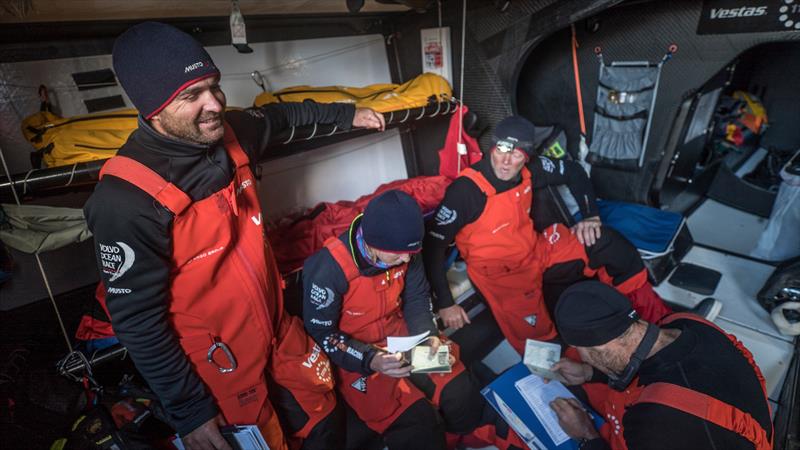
92,147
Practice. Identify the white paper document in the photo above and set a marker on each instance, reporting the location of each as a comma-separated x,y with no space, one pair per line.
396,344
538,395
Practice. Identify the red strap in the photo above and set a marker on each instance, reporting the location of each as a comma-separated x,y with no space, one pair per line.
343,258
147,180
577,81
690,316
707,408
480,180
483,183
234,148
736,343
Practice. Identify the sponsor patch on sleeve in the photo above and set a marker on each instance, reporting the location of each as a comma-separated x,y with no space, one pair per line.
116,259
547,164
321,297
446,216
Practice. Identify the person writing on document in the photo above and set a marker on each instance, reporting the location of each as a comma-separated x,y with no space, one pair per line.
684,384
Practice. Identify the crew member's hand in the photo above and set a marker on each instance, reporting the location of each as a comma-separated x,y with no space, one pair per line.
587,231
574,372
435,343
390,364
206,436
575,421
454,317
369,118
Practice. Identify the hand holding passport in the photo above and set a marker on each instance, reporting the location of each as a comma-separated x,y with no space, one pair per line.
540,357
423,361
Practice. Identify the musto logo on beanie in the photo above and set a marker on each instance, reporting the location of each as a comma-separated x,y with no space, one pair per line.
155,61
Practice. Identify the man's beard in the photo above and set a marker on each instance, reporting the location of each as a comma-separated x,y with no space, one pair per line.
191,131
607,362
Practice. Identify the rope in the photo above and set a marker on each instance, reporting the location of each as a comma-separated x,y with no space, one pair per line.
38,260
461,85
577,80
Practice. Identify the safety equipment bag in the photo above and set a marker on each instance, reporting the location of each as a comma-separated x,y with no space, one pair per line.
423,90
63,141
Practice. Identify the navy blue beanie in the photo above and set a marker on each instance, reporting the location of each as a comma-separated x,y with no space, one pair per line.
155,61
520,132
393,223
591,313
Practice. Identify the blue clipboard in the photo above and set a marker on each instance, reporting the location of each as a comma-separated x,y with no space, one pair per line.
504,397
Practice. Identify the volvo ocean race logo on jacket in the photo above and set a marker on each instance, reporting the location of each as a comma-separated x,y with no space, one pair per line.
116,259
446,216
321,297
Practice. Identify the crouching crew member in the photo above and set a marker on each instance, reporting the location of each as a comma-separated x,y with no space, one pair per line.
364,286
684,384
191,285
487,211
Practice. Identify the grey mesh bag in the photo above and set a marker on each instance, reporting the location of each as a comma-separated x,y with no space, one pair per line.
626,96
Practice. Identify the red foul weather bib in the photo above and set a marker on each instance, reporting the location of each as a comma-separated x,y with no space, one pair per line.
371,311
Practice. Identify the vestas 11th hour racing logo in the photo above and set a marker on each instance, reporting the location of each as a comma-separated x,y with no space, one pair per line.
734,13
116,259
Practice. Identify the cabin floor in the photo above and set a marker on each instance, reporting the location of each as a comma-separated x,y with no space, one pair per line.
37,406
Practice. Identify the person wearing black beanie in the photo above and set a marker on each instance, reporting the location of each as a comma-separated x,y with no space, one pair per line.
369,284
189,282
488,213
683,384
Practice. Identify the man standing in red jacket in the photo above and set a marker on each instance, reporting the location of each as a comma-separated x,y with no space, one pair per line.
191,283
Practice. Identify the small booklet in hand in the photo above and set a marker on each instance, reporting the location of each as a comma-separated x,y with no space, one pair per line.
239,437
540,357
423,363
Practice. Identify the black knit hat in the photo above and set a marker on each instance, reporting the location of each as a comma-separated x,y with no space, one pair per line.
393,223
155,61
519,132
591,313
